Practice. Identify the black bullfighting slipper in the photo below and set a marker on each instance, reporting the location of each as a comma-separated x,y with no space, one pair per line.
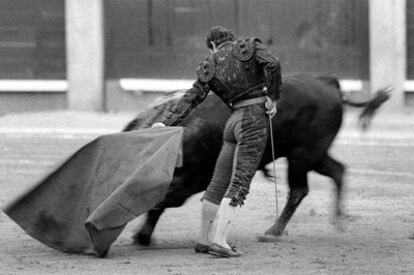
219,251
201,248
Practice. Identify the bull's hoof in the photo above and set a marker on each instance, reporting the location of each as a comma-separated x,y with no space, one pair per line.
102,254
268,238
142,239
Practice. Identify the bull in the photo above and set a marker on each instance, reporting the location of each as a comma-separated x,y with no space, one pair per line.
310,114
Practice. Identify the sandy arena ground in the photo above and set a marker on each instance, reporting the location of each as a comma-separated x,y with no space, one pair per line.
379,202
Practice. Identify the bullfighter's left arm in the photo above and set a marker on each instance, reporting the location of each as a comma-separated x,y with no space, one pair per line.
191,98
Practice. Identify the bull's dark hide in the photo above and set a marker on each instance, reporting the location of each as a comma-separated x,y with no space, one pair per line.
309,117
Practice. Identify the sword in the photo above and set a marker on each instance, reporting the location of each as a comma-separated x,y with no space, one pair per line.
274,164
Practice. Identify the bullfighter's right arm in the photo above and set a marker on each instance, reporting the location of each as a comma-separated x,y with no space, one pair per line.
272,70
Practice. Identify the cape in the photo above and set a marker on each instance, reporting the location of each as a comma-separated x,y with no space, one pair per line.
83,205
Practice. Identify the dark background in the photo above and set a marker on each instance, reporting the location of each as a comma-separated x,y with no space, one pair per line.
165,38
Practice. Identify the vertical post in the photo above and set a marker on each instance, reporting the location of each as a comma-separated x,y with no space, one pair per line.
85,54
387,48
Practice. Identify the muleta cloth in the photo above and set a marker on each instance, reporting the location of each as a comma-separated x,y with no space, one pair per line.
83,205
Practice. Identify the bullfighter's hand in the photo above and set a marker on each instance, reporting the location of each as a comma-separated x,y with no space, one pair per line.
271,106
157,125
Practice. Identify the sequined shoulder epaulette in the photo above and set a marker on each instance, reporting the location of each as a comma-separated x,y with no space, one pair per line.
244,49
206,70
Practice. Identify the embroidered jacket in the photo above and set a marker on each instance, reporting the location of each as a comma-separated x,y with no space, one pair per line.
238,70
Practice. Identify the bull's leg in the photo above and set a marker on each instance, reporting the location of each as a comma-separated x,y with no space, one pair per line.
298,183
335,170
176,196
143,236
173,199
180,190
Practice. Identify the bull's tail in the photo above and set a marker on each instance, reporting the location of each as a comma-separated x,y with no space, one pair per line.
370,106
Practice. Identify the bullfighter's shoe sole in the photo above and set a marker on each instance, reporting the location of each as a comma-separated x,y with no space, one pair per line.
220,251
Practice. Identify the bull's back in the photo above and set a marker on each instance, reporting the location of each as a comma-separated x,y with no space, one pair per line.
309,111
304,91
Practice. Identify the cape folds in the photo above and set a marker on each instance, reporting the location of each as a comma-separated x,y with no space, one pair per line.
83,205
